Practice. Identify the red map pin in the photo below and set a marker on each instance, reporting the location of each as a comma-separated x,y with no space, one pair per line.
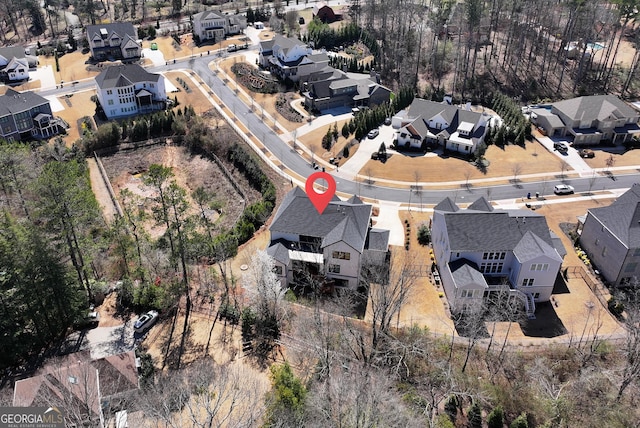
320,200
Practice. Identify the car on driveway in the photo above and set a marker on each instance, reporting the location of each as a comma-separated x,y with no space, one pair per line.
145,321
587,153
373,133
563,189
561,147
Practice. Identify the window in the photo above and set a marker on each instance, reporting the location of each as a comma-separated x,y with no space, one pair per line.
341,255
109,92
536,295
466,293
494,256
494,267
110,102
636,253
540,266
527,282
334,268
631,267
277,270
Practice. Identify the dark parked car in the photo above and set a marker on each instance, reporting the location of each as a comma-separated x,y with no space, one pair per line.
561,147
587,153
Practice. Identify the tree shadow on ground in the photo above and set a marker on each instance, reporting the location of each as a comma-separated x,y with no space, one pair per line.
547,323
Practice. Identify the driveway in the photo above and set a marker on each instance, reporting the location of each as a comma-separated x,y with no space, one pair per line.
350,169
572,157
105,341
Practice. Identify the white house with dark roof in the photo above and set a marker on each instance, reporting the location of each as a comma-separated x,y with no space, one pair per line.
590,120
331,247
128,89
428,122
480,251
118,40
215,25
15,64
611,238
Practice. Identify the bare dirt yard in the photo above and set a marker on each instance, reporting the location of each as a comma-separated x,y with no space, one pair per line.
126,170
313,141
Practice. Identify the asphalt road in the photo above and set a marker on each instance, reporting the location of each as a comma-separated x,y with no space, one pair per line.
296,163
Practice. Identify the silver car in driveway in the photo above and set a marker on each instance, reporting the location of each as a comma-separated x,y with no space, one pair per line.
144,322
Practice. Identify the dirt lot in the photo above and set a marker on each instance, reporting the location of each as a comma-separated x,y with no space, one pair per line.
76,105
313,141
125,170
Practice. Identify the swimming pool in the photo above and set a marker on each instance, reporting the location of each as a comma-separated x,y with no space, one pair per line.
595,46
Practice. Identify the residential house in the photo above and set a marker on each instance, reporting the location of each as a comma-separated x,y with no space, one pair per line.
611,238
431,123
590,120
283,55
330,88
324,13
82,387
15,64
118,40
216,26
26,115
480,251
331,247
128,89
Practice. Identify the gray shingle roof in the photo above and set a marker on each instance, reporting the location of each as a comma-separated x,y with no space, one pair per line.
465,272
532,246
481,204
286,43
378,240
423,110
122,29
207,14
15,102
340,221
622,217
279,253
498,230
594,107
124,75
446,205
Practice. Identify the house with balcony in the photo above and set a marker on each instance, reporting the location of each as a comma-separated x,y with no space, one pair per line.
329,88
283,56
329,248
15,64
481,251
128,89
115,41
589,120
26,116
611,238
216,26
428,123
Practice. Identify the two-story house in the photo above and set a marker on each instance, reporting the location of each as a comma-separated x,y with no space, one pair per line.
283,55
128,89
611,238
118,40
15,64
330,88
481,250
27,115
328,248
590,120
428,122
215,26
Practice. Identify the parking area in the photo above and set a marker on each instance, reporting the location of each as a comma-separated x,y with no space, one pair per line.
355,163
